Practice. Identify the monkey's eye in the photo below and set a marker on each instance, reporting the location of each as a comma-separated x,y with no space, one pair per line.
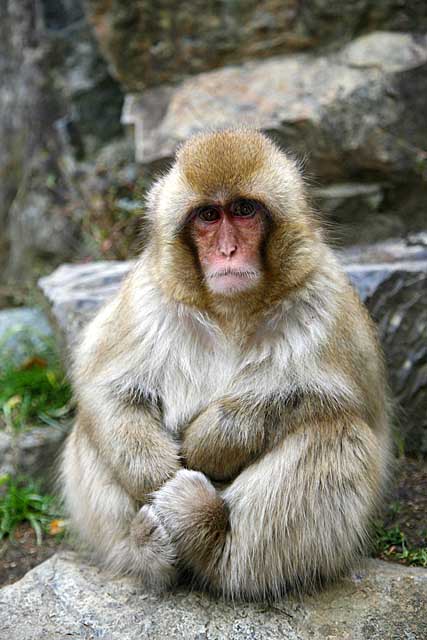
244,208
208,214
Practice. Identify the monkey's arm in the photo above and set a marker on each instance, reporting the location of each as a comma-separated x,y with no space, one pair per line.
298,515
229,434
116,455
130,440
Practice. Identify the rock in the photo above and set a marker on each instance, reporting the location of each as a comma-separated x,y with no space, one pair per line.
32,452
357,116
57,102
356,211
399,306
66,597
77,291
358,109
23,331
391,278
394,290
370,266
164,42
43,228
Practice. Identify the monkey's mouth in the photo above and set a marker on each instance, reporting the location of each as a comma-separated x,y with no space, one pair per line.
252,274
230,280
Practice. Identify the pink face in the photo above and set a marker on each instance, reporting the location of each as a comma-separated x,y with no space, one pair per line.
228,240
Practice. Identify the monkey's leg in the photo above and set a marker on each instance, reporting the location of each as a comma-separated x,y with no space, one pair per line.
126,539
297,516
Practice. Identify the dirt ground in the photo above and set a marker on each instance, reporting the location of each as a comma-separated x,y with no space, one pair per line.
410,496
21,554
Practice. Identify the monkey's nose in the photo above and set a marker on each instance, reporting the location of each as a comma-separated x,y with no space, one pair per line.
228,250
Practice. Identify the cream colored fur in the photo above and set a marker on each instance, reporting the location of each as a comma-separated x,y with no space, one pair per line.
154,376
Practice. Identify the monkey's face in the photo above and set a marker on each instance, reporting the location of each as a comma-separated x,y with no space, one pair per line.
231,223
228,239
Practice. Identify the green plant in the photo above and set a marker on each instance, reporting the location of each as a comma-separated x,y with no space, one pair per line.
35,390
391,543
21,501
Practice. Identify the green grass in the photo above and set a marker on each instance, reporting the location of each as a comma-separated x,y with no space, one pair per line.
391,544
34,392
21,501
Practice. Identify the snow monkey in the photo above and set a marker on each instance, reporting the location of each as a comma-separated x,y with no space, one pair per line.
232,412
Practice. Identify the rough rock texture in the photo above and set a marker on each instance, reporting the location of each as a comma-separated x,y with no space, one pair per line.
357,116
361,108
391,279
22,332
31,452
77,291
57,102
151,43
399,305
64,598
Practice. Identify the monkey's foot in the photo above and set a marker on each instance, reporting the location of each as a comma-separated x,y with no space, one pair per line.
155,548
193,513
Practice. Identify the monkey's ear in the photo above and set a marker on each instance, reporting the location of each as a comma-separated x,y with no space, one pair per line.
152,198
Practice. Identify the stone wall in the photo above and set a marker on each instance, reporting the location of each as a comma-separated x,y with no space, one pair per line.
341,84
57,104
153,43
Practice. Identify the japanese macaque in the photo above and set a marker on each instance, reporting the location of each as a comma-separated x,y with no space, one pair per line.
232,422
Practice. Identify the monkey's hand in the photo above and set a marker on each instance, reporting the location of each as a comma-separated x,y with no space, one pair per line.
193,512
159,553
225,438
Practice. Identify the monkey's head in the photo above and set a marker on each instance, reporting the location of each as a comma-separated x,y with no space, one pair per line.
231,222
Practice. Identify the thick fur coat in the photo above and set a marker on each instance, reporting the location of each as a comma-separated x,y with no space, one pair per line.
243,440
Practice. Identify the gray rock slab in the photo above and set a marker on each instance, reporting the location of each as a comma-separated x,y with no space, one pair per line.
22,332
67,598
357,109
76,292
32,452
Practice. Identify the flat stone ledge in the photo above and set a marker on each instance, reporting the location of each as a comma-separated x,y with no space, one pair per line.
77,291
66,598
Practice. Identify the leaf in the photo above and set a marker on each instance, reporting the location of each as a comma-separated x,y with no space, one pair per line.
13,402
34,361
56,527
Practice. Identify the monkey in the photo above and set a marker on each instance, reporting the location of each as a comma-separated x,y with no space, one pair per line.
233,414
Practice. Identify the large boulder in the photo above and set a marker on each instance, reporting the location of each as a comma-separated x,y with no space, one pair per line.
357,109
67,597
149,44
76,292
391,278
357,116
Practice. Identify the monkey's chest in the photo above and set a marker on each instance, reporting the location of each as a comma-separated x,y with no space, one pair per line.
187,392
